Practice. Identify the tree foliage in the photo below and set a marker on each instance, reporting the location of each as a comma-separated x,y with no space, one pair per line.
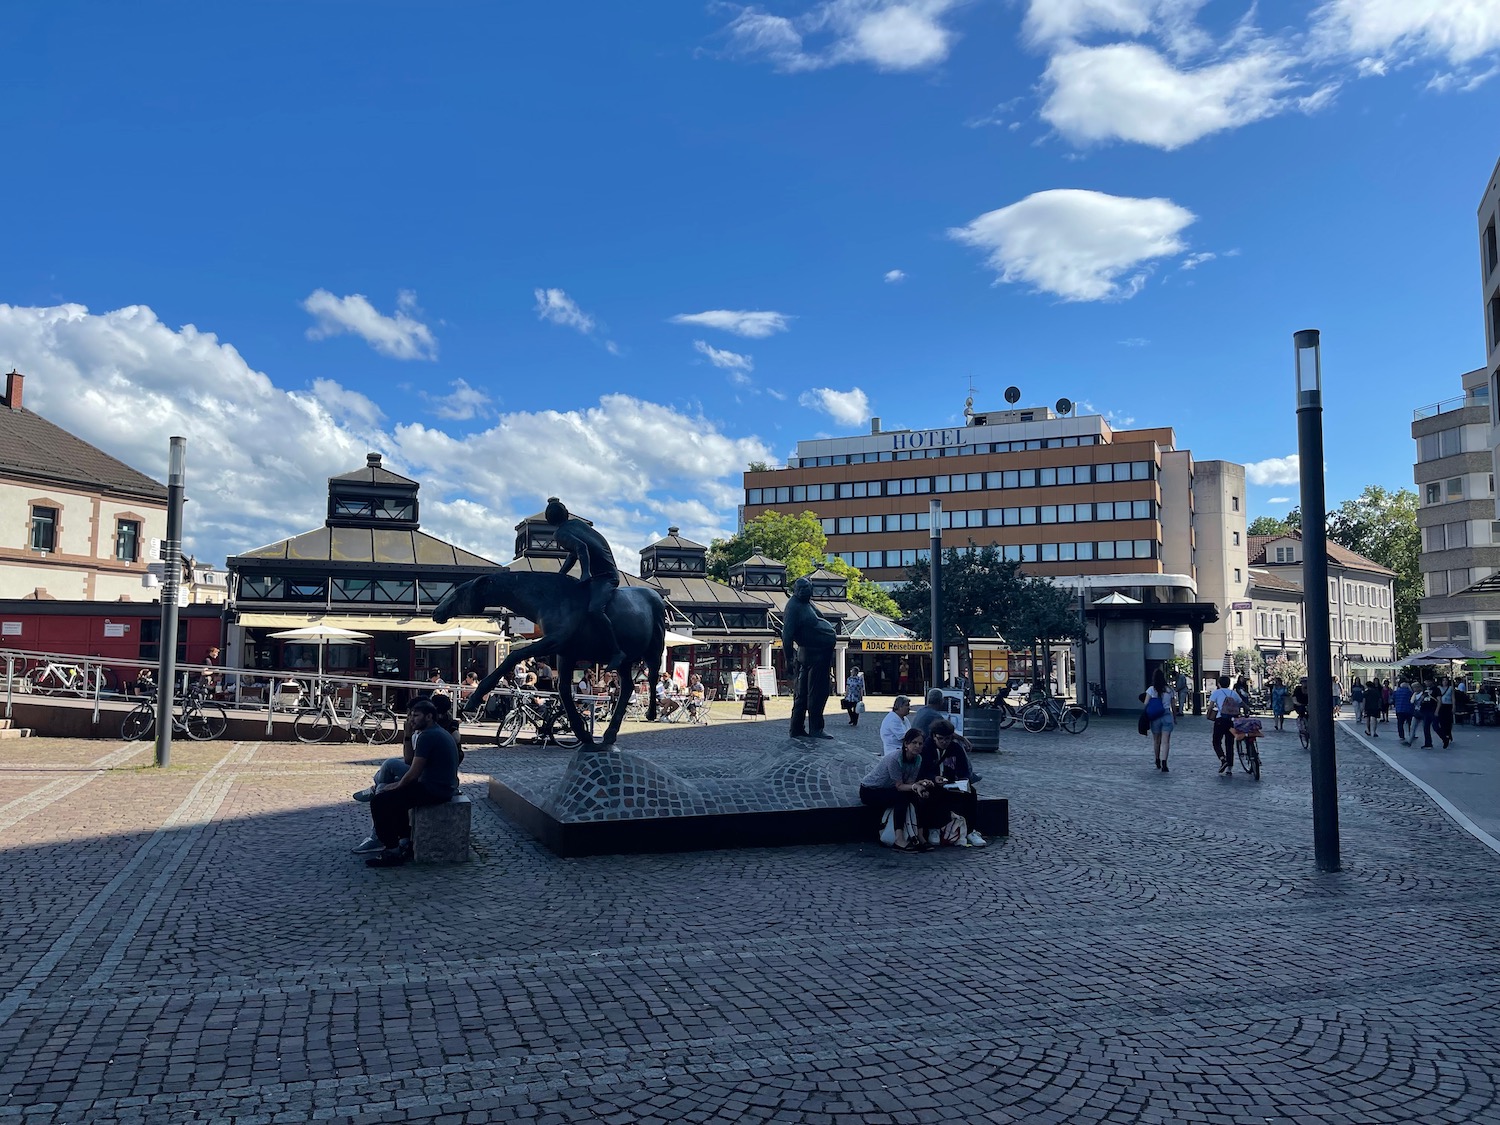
984,595
799,542
1382,526
1270,525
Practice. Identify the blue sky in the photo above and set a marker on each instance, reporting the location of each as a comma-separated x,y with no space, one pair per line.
482,238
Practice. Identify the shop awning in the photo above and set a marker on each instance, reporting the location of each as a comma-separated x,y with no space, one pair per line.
390,624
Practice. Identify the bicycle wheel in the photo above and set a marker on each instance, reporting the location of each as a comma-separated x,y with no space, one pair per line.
41,683
312,724
510,727
1302,735
215,716
105,678
562,734
1034,718
1075,720
196,723
1255,762
1007,716
139,723
378,727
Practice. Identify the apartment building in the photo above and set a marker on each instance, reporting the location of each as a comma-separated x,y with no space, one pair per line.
1220,533
75,523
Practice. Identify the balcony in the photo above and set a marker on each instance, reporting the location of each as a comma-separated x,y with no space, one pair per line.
1479,396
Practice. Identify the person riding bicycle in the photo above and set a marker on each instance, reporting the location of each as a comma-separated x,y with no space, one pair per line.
596,568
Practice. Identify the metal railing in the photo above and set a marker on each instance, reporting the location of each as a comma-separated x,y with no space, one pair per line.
1460,402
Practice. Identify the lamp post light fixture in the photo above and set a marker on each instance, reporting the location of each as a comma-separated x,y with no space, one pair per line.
1309,373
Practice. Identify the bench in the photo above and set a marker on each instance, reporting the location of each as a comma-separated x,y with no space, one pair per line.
440,833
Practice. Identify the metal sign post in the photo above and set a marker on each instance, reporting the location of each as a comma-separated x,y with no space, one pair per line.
171,553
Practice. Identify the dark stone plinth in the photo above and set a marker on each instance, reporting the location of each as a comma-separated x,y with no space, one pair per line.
604,803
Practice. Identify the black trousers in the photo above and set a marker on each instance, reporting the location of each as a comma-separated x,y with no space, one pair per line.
810,689
1404,719
389,811
1445,720
1224,738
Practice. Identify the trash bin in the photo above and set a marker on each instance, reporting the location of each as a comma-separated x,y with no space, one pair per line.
982,729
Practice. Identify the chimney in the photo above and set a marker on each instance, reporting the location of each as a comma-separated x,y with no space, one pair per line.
874,425
14,384
673,530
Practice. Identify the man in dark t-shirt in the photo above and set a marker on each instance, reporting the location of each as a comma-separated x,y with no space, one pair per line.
431,779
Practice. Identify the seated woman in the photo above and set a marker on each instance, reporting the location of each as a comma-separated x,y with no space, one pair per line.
895,784
945,757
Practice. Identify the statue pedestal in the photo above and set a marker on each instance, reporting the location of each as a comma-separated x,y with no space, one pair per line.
656,797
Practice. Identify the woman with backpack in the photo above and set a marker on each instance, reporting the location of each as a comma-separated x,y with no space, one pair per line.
1160,708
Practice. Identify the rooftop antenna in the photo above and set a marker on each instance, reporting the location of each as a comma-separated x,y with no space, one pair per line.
969,402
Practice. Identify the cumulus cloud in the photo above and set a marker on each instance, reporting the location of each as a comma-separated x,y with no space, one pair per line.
459,404
849,408
1078,245
738,366
259,455
1273,470
890,35
1379,33
401,336
893,276
755,325
556,307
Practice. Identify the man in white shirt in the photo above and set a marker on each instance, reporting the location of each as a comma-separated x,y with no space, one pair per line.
1226,707
895,724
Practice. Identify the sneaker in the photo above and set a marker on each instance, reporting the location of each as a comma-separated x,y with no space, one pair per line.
390,857
934,837
369,844
365,794
975,840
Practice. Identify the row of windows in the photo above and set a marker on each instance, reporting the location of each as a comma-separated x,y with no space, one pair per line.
1447,491
375,508
1458,632
1444,443
1361,593
1445,536
316,588
1361,629
993,517
955,482
44,534
948,451
1439,583
1277,624
1017,552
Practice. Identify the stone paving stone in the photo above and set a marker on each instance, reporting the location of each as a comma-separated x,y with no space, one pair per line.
1145,947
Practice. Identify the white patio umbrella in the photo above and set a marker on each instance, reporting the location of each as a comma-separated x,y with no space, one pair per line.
677,640
456,635
322,634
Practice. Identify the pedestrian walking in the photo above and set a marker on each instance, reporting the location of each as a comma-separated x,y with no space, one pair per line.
1385,700
1445,712
854,696
1278,702
1373,701
1180,692
1357,697
1224,706
1160,709
1401,703
1427,708
1338,697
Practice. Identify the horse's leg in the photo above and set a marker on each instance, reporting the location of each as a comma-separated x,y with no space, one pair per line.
655,651
617,716
543,647
565,666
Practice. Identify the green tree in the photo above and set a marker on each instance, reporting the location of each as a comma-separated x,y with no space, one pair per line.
1269,525
985,595
799,542
1382,526
757,467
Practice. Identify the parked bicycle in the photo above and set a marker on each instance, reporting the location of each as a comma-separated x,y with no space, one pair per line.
1050,714
376,725
543,715
1096,698
192,715
55,679
1303,735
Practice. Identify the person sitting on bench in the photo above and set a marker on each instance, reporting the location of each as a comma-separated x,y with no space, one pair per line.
431,779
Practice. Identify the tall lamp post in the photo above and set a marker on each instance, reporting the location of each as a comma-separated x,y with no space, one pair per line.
1325,797
171,582
935,579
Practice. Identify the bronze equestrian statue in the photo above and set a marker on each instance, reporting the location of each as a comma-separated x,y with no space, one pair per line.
562,607
814,639
596,566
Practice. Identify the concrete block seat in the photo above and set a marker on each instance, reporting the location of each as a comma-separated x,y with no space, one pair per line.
440,833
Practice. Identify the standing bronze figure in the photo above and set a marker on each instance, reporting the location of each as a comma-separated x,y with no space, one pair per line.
813,638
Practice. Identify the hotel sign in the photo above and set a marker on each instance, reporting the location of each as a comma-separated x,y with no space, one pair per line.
929,439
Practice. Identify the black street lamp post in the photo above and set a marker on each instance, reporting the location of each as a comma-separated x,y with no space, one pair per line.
1325,796
935,579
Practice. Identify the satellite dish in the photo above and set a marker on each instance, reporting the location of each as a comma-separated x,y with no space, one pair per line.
1012,394
1064,407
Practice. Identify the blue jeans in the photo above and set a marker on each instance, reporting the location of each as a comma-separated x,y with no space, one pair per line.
391,771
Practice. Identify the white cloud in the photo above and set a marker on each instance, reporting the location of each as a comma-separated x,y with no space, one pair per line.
1378,33
891,35
1134,342
461,403
1130,92
779,396
259,456
1279,500
894,276
1193,261
725,360
755,325
850,408
557,307
1273,470
1063,21
1079,245
401,336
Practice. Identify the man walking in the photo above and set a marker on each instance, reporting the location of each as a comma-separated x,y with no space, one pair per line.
1401,704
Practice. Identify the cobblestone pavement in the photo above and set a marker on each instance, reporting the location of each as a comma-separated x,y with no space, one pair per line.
198,945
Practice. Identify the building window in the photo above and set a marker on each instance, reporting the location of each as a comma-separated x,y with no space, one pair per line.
1495,321
127,540
1492,628
1444,443
1234,503
1236,574
44,529
1236,538
1283,554
1239,617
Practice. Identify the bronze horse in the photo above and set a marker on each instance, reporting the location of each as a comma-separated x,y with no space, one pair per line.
559,605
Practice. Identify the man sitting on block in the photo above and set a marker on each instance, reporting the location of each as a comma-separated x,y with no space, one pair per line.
431,779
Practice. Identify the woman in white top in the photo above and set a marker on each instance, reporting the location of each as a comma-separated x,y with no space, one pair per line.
1161,725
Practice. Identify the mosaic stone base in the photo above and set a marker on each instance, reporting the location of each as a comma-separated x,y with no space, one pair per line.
662,799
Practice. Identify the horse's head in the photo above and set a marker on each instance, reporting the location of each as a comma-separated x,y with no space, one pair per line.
466,599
